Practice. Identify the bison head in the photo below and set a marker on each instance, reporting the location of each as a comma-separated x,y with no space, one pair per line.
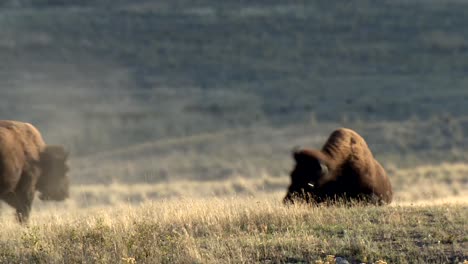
308,175
53,184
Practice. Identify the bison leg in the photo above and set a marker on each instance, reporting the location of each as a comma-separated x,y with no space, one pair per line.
23,197
24,207
22,203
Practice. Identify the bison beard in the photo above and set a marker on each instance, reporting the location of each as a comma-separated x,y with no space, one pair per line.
27,164
344,170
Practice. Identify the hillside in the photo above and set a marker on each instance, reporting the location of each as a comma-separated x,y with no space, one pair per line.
232,85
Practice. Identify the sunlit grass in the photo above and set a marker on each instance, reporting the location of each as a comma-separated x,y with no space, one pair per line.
238,230
427,185
242,220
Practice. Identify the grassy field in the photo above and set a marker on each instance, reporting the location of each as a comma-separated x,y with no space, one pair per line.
242,220
181,116
427,184
239,230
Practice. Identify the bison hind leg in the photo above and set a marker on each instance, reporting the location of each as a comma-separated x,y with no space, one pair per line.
22,203
23,215
22,198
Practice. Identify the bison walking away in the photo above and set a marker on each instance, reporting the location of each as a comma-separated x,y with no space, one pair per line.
27,164
344,169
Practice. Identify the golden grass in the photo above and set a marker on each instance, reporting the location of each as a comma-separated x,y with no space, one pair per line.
434,184
242,220
237,230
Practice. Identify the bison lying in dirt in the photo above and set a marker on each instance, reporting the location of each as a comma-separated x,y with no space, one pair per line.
344,170
27,164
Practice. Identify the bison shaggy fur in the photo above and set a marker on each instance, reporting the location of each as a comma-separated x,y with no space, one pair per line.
27,164
344,169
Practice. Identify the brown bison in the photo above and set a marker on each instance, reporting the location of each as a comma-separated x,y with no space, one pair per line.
27,164
344,170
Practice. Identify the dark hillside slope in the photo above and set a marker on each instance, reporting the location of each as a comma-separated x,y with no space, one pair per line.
99,75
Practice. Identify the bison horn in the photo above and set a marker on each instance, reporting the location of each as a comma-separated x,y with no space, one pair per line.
324,169
325,175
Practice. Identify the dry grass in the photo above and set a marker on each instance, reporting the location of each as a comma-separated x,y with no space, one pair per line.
238,230
243,221
425,184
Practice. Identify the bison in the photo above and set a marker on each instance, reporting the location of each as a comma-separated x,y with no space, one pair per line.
344,169
27,164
